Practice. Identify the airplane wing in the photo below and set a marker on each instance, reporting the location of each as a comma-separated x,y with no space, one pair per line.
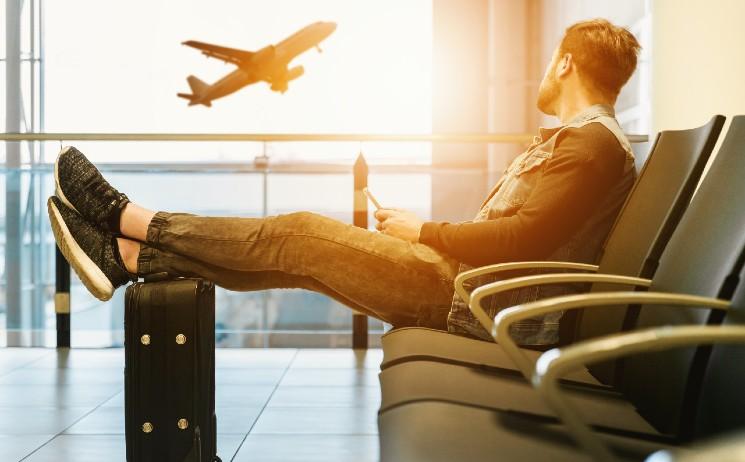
229,55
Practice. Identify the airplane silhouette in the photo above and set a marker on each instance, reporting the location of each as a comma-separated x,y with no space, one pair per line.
268,64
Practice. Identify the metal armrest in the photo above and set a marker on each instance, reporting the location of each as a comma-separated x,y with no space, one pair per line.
555,363
526,281
505,318
727,448
461,278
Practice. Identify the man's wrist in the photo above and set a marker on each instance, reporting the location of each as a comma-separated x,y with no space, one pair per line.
425,232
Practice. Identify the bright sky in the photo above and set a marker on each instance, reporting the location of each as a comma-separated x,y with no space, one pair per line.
117,66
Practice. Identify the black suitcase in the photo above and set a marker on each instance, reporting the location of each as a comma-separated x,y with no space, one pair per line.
169,391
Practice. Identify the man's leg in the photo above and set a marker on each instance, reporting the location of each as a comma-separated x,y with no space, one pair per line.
152,261
380,275
385,276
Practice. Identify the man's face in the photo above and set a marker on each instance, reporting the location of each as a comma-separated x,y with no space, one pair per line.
550,89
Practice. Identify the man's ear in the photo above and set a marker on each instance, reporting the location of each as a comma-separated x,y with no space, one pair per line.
565,65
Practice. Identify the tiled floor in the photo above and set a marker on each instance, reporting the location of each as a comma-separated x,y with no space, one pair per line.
272,405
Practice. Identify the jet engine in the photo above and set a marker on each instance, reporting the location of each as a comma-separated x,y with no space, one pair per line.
280,84
294,73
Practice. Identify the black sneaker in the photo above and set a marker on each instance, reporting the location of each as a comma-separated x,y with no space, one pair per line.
81,187
92,252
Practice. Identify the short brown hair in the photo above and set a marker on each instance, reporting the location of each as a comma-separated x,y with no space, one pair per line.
603,52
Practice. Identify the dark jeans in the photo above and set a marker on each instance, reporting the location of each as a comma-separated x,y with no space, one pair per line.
393,280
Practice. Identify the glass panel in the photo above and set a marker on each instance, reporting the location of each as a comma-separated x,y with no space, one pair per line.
3,101
2,42
121,72
26,306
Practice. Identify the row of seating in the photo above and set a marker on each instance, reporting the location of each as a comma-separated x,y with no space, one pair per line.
658,339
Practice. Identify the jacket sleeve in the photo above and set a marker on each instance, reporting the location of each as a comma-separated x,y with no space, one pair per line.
585,164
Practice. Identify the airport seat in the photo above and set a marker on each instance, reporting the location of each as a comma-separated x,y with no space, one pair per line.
706,396
439,431
652,210
704,257
445,431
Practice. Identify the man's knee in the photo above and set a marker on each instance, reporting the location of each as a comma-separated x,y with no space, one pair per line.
302,218
302,215
303,221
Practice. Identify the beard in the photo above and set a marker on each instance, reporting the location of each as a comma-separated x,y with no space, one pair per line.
548,94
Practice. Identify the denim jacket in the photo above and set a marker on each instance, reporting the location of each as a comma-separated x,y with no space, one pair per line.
507,196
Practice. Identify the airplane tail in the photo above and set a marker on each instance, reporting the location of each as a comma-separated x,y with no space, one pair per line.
197,91
196,85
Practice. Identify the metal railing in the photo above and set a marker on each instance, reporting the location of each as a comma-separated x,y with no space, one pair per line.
360,171
487,138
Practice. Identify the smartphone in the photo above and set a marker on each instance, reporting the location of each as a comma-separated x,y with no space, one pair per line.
372,199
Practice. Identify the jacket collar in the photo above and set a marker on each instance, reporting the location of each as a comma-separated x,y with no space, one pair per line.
589,113
593,112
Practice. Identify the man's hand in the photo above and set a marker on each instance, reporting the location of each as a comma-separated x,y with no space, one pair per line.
399,223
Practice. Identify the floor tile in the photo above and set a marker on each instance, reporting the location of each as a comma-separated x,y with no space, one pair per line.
56,395
13,358
115,401
81,358
23,353
67,376
38,421
254,358
82,448
110,421
99,448
225,396
308,448
285,396
227,446
248,376
331,377
242,396
302,405
338,358
16,447
236,420
317,420
102,421
108,396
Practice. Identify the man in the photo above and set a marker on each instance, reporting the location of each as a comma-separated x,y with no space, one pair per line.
557,201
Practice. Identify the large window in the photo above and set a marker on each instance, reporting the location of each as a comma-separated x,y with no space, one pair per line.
115,67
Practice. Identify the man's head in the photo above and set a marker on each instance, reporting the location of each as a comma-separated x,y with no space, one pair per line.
594,60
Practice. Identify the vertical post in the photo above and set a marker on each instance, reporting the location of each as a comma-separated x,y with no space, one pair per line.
36,245
62,299
13,226
263,162
360,171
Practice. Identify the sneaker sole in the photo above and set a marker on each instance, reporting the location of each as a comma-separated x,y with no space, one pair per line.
57,189
89,273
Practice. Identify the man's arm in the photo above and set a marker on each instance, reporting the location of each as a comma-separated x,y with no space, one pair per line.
585,164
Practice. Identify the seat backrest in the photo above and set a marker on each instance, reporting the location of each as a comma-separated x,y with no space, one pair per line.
701,258
721,406
652,210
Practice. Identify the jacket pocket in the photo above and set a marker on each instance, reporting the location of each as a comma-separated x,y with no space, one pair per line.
531,162
521,181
